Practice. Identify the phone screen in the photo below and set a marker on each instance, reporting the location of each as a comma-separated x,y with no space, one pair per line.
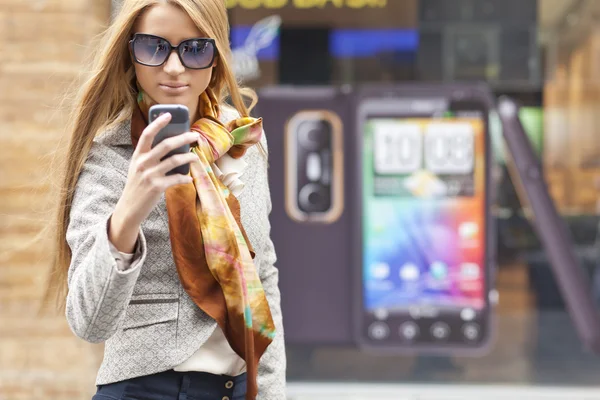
424,276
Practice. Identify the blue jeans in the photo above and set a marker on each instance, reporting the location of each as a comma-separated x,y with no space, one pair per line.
172,385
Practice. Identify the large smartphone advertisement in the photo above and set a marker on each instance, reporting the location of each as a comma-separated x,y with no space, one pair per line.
424,227
380,220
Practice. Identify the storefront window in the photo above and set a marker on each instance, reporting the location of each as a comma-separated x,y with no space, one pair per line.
543,54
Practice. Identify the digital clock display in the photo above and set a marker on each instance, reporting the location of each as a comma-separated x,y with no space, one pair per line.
423,157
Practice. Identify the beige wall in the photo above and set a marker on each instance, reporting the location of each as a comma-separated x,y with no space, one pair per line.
43,47
572,127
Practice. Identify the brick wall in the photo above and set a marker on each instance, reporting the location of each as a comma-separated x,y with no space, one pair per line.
44,43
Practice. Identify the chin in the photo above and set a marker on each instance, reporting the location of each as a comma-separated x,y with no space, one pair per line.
177,99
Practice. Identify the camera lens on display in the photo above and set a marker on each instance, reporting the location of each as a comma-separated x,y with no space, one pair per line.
314,198
314,135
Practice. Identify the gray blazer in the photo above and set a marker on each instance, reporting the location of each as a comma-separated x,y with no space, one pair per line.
147,321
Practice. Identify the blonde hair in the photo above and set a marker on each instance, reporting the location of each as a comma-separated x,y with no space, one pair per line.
108,97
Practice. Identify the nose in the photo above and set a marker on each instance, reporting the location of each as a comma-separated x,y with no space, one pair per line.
173,65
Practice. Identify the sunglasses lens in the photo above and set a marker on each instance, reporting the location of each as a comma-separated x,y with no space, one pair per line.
150,50
197,53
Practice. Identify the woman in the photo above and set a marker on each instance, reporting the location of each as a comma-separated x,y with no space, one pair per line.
175,273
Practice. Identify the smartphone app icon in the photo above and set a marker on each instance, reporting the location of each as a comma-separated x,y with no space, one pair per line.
409,272
470,271
380,270
468,230
439,270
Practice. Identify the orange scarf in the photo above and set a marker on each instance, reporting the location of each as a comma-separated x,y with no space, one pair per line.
212,253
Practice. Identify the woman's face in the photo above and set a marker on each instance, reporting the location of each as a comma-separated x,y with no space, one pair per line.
171,83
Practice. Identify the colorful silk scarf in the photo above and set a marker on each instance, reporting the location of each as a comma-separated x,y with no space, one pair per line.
212,253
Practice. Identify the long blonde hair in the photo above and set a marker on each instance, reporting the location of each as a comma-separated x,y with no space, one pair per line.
107,97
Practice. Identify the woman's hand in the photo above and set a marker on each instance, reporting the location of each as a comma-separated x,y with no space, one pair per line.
147,179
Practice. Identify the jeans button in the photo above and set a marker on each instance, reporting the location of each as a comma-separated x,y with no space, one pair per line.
225,398
229,385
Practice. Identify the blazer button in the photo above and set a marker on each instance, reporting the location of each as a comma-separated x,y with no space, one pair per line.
228,385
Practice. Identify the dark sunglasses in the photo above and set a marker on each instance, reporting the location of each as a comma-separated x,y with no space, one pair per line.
154,51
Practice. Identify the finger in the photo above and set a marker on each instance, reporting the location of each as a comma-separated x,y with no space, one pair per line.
165,182
147,137
172,143
173,162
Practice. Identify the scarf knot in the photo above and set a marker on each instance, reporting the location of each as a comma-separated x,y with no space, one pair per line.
217,139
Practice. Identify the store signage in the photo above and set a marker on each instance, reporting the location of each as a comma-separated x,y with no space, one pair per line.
261,36
306,4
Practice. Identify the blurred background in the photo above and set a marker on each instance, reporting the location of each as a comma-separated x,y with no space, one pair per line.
544,53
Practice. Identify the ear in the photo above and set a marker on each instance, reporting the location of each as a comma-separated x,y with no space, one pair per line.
213,76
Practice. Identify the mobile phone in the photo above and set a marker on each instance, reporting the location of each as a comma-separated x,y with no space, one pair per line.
424,243
180,123
309,132
525,168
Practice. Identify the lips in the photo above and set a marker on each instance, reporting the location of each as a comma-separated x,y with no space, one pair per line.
173,85
173,88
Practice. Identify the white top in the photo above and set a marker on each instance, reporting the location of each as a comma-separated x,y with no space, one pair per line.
215,356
